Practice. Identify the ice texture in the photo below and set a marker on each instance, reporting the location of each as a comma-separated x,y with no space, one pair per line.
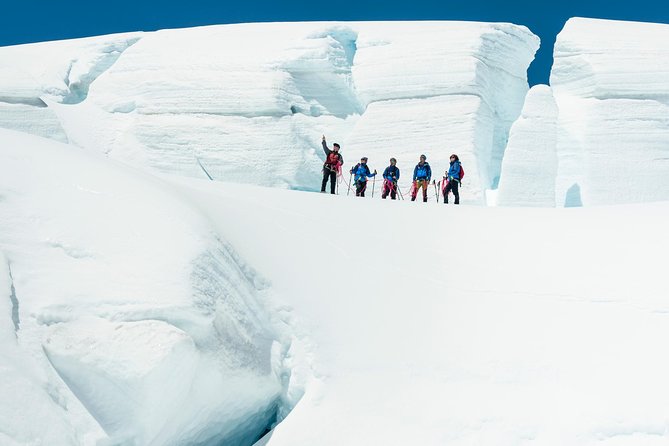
530,161
133,321
248,103
610,81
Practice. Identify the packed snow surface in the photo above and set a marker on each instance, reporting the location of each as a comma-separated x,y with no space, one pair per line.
610,82
249,102
147,307
126,318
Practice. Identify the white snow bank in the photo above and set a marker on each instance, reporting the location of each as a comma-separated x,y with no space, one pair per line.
530,161
33,74
154,331
610,80
249,102
438,325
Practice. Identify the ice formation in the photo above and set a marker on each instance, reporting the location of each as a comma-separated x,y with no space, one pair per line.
610,83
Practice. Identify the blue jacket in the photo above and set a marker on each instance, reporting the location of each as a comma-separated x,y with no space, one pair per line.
361,172
454,171
423,172
392,173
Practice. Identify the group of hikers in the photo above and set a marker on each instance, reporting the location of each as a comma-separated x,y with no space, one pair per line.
422,175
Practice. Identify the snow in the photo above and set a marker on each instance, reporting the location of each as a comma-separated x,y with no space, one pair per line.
428,324
250,102
141,303
132,308
531,153
610,81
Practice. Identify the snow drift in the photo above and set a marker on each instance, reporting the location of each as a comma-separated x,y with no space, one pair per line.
131,318
610,83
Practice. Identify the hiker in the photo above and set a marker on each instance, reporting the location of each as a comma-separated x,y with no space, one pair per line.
361,172
332,166
453,176
390,177
422,174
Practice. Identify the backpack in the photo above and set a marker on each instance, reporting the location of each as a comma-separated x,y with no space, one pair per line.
462,172
332,159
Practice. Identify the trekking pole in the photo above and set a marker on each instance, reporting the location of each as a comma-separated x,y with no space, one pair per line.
397,186
373,184
436,192
349,184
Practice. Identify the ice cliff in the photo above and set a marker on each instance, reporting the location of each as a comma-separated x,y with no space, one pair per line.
610,131
249,103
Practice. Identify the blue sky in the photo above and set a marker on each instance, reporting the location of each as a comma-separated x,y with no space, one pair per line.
23,21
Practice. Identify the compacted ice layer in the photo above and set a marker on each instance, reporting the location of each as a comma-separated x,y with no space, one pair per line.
530,160
610,83
249,102
139,324
611,86
32,74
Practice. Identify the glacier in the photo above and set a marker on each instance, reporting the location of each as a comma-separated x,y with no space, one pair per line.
134,322
610,84
251,109
143,304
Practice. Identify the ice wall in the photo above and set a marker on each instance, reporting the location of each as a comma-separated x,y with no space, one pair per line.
34,74
610,80
126,319
249,102
441,88
530,161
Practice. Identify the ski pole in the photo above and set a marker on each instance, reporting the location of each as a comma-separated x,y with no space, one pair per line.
349,184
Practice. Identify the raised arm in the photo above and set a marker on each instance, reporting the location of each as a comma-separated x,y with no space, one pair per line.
326,149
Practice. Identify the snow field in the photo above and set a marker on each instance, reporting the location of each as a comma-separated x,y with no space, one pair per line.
430,324
140,322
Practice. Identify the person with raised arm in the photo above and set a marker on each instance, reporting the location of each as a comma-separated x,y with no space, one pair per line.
332,165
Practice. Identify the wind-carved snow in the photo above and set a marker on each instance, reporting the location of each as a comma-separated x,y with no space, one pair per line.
439,89
249,103
610,84
33,75
139,319
530,161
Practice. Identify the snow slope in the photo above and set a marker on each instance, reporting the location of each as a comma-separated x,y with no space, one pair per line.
610,81
249,102
126,318
436,325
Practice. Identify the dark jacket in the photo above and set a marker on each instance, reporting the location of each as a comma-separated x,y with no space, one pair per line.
423,172
327,151
392,173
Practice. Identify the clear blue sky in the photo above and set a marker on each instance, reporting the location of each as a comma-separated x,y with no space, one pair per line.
24,21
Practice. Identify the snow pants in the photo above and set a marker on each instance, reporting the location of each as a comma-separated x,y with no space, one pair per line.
389,188
420,183
452,186
360,187
332,175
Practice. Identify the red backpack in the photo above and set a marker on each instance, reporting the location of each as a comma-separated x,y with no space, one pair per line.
332,159
462,172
